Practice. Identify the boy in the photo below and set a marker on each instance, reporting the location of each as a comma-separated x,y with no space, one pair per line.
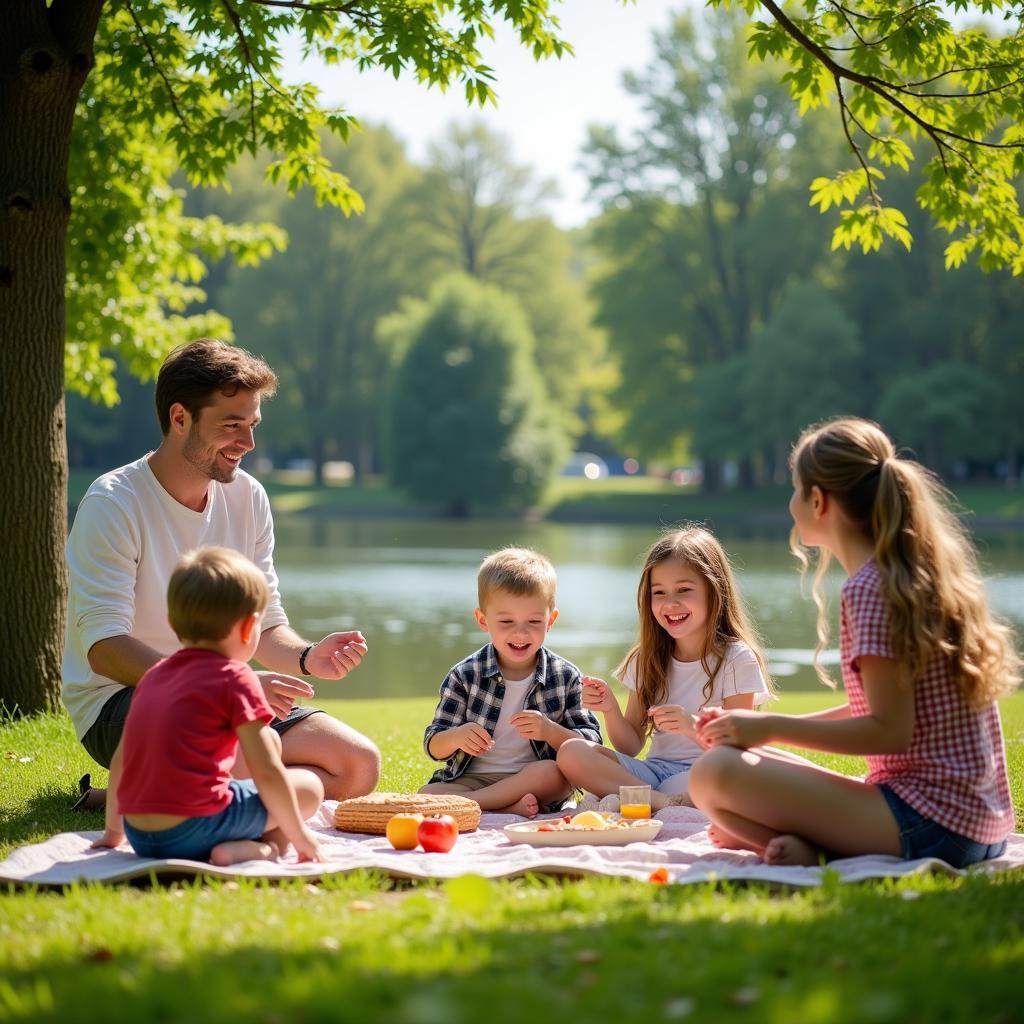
505,710
170,777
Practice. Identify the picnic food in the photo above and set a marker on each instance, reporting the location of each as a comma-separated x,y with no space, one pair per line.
371,814
589,819
437,834
401,831
615,831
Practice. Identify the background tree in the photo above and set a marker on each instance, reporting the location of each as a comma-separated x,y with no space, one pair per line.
949,411
805,364
705,223
470,424
205,77
478,212
313,311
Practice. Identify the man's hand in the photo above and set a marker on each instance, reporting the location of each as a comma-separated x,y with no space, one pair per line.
336,655
674,718
598,696
473,738
283,691
110,840
531,725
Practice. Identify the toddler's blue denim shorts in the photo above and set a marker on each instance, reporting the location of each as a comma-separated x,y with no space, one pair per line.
652,770
193,839
922,837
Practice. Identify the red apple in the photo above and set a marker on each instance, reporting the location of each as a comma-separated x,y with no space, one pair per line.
437,834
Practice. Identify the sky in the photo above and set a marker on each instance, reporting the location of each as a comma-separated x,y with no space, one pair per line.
543,108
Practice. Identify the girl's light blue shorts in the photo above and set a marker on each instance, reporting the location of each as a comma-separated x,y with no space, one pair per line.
652,770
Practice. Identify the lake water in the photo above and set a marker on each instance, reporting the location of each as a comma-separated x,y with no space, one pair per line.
410,586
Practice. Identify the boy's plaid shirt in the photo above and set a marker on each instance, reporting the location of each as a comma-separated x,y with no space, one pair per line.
474,689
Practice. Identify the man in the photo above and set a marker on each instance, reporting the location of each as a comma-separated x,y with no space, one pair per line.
132,527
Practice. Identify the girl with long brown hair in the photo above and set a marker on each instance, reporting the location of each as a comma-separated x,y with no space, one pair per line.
923,663
696,649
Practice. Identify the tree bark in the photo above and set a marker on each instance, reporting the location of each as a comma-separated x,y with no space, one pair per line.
46,54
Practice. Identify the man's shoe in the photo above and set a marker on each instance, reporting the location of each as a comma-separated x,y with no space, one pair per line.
89,798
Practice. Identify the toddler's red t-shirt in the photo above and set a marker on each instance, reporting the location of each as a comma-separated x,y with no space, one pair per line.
180,740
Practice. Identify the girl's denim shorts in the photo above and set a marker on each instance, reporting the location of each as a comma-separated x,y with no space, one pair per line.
652,770
922,837
244,818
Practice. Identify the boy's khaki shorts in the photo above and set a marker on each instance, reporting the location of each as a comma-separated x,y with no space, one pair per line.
478,780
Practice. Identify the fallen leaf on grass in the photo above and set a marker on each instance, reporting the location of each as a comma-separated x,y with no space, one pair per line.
746,996
676,1009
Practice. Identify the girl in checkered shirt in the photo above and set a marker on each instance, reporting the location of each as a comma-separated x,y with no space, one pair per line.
923,663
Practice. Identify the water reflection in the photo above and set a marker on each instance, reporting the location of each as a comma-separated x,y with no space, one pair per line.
410,586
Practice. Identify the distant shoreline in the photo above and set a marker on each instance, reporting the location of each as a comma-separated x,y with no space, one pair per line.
615,500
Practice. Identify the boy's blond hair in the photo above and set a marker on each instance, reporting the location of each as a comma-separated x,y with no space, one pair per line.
519,571
212,589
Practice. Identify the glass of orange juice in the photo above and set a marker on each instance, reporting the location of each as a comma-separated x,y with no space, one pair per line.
635,801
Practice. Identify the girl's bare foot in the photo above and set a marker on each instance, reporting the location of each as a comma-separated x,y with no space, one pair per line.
791,850
225,854
725,840
527,806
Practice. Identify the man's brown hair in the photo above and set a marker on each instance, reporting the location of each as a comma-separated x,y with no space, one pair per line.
519,571
192,374
211,590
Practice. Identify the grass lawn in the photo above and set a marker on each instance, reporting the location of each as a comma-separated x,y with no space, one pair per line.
363,949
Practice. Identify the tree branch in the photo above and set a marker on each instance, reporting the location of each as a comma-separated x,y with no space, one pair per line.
845,114
960,95
248,63
876,17
877,86
156,64
299,5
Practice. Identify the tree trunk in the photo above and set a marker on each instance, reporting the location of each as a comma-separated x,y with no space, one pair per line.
746,473
45,56
711,482
318,449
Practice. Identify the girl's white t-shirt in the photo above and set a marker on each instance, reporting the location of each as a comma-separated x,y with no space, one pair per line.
740,673
510,751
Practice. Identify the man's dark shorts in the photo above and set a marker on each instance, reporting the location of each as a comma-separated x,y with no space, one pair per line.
105,733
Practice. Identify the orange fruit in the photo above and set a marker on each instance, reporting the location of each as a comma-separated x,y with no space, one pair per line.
401,831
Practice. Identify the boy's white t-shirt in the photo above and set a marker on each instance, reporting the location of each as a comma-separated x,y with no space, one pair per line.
740,673
510,751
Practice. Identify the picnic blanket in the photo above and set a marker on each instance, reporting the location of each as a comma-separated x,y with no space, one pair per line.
682,848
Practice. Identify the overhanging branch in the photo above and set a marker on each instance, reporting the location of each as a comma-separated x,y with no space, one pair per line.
156,64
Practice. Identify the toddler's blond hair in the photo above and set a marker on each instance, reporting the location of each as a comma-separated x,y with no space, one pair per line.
211,589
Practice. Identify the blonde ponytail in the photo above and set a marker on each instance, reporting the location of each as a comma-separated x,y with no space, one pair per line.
931,582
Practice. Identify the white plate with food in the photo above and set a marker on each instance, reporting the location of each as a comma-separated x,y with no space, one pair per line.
588,828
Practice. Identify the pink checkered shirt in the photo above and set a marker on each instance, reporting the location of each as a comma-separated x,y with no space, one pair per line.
954,771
